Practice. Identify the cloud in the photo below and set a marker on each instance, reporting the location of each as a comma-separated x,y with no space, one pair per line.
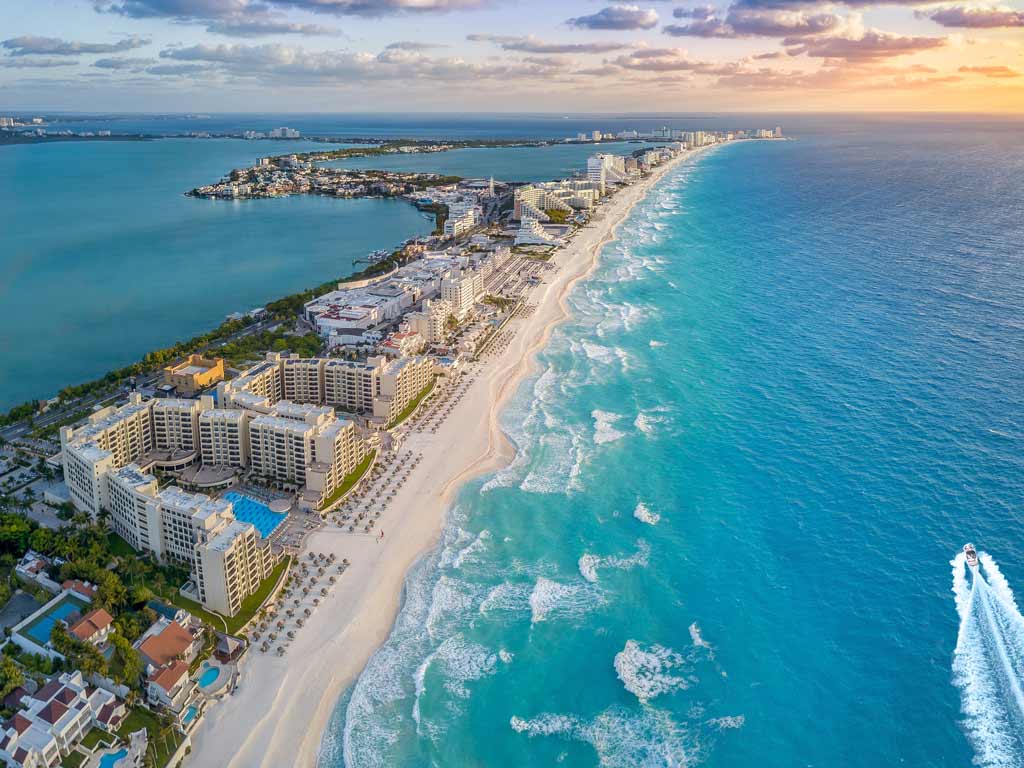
178,69
974,17
846,76
27,45
286,64
124,64
814,4
242,27
872,45
411,45
531,44
189,10
745,22
617,17
671,60
29,62
700,12
993,71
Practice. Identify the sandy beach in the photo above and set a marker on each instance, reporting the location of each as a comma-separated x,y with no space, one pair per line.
278,713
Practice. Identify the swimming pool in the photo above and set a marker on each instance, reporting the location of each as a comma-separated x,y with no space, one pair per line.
209,676
111,759
39,630
190,715
248,510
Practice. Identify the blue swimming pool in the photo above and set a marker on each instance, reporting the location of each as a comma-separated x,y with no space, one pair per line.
111,759
190,715
209,676
39,630
249,510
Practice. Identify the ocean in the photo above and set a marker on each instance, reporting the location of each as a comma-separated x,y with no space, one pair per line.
785,399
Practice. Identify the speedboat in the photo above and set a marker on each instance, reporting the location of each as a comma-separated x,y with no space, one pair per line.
971,554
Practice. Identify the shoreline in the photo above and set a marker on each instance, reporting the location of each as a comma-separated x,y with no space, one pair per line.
280,711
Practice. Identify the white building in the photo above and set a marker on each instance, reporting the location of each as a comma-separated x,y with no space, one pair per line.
431,322
401,382
461,290
224,437
463,215
52,721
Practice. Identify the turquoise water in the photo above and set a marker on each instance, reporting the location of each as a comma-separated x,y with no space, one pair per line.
111,759
102,258
248,510
786,398
209,676
555,161
39,630
190,715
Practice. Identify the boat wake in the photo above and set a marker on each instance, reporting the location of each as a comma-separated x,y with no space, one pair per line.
988,663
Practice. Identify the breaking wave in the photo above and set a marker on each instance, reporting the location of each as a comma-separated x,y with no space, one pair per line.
555,600
645,515
604,427
589,564
621,739
647,672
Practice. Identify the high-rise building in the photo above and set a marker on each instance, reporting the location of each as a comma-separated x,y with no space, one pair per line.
431,322
461,290
224,437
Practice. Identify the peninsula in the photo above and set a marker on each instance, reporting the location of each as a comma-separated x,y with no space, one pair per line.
247,477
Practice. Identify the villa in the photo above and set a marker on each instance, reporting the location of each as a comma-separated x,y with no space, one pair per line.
94,627
53,720
167,640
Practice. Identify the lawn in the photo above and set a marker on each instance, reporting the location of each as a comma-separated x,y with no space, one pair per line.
350,479
163,741
249,608
119,546
412,406
95,736
73,760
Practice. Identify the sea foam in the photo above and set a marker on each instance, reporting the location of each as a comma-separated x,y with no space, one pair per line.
647,672
604,429
621,738
645,515
554,600
589,564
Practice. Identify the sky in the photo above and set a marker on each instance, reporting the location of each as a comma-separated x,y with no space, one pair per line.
511,55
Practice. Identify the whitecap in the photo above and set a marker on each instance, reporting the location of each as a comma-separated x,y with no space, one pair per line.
464,662
507,596
622,739
728,722
645,515
604,431
647,673
589,564
554,600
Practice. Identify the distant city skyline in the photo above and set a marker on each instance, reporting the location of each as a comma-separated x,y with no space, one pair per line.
506,56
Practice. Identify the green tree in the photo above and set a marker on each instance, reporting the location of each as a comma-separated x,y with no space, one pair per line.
11,675
80,655
130,662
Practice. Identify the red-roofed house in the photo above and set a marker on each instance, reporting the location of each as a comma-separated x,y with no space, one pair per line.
83,588
166,641
171,687
94,627
53,720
